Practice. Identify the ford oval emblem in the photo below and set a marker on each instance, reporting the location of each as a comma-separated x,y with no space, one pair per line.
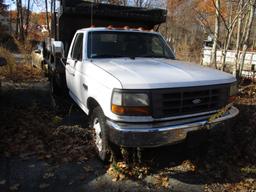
197,101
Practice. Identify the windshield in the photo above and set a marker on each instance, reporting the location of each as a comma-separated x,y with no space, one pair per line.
113,44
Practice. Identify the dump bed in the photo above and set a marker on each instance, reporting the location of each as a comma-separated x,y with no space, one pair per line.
77,14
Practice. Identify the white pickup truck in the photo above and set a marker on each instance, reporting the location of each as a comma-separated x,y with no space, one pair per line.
137,94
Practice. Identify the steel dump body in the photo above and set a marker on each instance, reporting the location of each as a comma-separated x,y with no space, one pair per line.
77,14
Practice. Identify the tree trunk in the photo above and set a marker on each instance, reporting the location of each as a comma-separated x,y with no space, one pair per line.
238,39
226,46
47,16
248,29
17,19
21,21
27,19
216,35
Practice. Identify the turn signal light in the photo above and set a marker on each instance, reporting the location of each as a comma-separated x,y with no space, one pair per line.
131,111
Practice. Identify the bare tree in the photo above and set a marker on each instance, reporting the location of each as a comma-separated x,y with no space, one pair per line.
19,21
229,23
216,34
230,26
27,17
238,38
47,15
247,29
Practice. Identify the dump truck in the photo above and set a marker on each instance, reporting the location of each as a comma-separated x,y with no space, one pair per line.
122,73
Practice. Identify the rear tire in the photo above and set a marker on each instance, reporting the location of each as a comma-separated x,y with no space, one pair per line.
100,137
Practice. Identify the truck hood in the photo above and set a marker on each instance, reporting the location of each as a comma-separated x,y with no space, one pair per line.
161,73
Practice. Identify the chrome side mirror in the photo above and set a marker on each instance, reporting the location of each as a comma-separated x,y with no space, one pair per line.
58,48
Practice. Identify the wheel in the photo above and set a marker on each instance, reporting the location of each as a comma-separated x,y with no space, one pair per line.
98,123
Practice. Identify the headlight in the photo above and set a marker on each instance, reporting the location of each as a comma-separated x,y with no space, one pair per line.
130,104
233,92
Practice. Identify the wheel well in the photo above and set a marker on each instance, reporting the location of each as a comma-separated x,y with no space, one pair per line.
91,104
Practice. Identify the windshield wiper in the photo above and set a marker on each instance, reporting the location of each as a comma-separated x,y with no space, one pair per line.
154,56
107,56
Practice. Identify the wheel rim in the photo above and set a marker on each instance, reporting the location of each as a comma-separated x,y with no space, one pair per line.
98,138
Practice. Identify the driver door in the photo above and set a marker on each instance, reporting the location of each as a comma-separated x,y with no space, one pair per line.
74,60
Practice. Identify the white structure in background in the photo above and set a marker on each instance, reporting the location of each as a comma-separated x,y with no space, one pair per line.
249,62
250,57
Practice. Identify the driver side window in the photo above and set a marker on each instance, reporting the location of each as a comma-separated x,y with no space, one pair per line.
77,50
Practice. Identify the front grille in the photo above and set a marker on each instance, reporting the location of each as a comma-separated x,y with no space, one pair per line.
185,101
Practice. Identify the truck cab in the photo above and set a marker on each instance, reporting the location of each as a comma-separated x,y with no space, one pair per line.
137,94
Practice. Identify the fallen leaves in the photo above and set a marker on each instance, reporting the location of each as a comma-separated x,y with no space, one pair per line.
246,185
23,73
162,181
249,170
29,132
116,171
185,167
32,131
121,170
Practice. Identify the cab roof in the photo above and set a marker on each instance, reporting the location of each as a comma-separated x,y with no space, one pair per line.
91,29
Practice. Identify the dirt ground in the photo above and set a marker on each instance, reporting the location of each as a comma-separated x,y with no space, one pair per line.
47,149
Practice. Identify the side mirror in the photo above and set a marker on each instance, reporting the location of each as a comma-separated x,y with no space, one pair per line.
3,61
38,51
58,48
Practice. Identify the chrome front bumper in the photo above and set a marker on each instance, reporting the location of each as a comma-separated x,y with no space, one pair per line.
160,134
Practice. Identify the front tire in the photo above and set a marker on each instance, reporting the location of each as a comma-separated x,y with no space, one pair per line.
98,123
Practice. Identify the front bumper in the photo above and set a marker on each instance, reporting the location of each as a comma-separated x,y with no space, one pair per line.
160,134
